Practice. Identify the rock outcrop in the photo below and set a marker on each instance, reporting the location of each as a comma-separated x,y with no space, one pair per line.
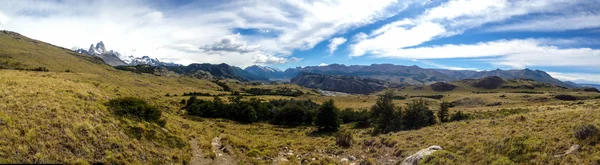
415,158
346,84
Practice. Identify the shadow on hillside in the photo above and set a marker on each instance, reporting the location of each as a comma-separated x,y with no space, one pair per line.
317,133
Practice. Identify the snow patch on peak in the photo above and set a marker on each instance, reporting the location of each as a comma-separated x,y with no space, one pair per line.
265,68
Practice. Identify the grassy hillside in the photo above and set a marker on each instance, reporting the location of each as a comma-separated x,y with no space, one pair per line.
62,117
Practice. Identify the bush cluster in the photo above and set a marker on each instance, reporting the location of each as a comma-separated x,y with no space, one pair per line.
197,94
223,85
38,69
359,117
278,112
135,108
276,92
565,97
384,116
437,97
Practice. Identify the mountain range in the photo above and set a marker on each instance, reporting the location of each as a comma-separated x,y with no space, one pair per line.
114,58
406,74
398,74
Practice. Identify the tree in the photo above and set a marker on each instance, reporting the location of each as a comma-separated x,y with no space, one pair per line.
384,115
290,114
328,117
443,113
418,115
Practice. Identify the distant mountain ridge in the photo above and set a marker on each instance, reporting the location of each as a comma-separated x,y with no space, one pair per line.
597,86
221,71
536,75
346,84
408,74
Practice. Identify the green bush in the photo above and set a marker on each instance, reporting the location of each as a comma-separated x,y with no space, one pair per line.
418,115
344,139
565,97
588,133
458,116
443,112
135,108
292,115
327,118
385,116
360,118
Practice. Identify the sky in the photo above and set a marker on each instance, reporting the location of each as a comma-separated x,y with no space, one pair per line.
561,37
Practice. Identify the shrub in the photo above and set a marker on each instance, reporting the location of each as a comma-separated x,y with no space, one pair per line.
443,112
458,116
359,117
292,115
327,118
385,116
437,97
418,115
223,85
587,133
134,108
565,97
39,69
344,139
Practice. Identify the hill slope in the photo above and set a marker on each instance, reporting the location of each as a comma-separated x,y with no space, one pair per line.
346,84
20,52
60,117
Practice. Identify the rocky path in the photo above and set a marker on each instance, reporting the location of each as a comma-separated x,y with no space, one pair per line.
198,157
222,153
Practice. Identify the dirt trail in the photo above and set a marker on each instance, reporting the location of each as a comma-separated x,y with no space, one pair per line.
198,157
223,152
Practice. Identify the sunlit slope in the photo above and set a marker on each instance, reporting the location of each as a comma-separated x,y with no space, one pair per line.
61,117
20,52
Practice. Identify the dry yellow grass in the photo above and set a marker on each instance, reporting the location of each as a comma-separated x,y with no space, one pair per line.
59,117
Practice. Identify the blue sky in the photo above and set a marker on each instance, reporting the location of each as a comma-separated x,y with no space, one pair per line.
557,36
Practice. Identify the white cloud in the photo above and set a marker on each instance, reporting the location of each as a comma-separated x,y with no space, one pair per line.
514,53
436,65
453,18
577,77
554,23
169,31
323,64
270,59
3,19
230,43
397,37
335,42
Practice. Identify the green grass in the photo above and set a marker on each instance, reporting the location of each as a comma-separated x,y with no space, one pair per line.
62,117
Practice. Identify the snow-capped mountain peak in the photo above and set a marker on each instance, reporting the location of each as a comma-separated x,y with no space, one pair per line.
265,68
98,49
115,58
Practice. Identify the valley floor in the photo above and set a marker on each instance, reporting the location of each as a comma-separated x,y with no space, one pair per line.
51,117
